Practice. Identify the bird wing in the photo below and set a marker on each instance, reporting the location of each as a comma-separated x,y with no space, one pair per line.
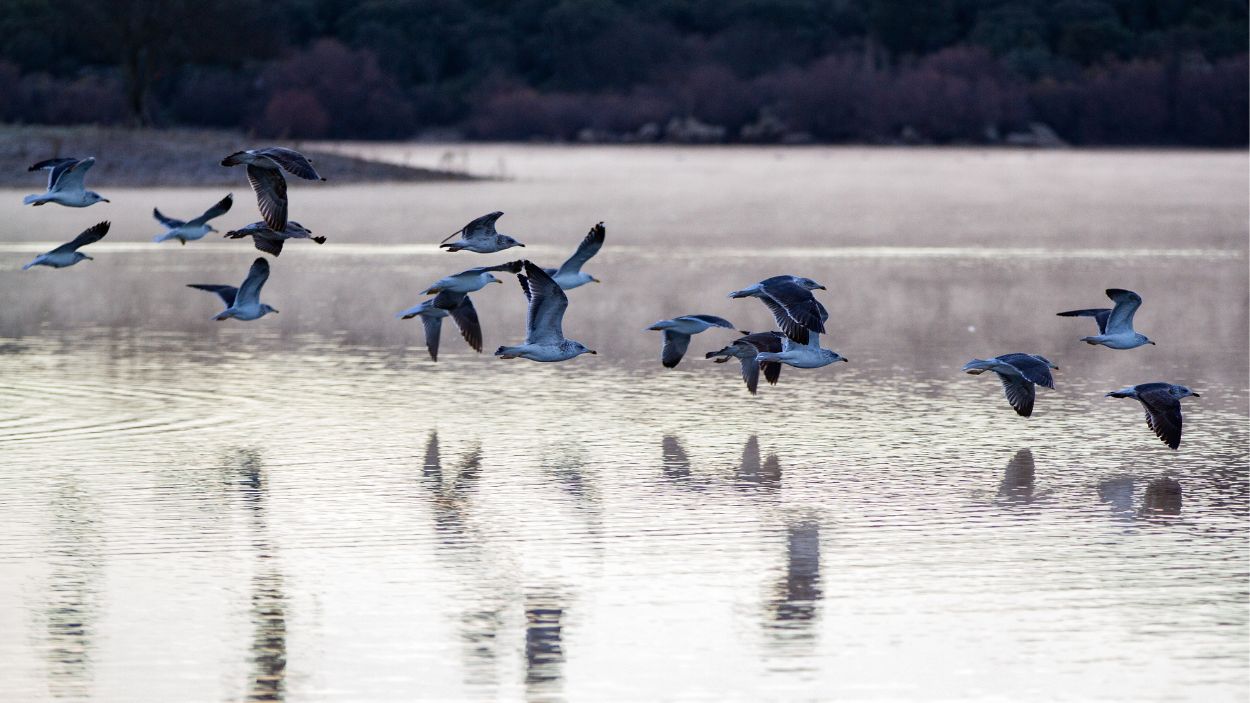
1100,315
1019,393
294,162
547,305
675,345
270,188
772,371
94,233
55,168
1033,369
249,292
764,341
1126,304
712,320
591,244
267,245
788,325
169,222
798,302
433,330
510,267
221,208
751,374
71,176
465,317
448,299
1163,413
482,227
226,293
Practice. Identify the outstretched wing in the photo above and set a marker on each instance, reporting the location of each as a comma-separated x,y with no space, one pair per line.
712,320
772,371
70,178
55,168
433,330
482,227
270,189
591,244
249,292
267,245
1163,414
94,233
510,267
221,208
1019,393
1100,315
751,374
169,222
675,345
1033,369
465,317
1126,304
798,302
294,162
226,293
788,325
547,305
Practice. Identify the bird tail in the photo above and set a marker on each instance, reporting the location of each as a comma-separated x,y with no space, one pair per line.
451,247
976,367
1079,313
35,199
740,294
506,352
1122,393
723,352
27,266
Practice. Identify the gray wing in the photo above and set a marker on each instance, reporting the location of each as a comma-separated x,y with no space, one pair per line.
448,300
226,293
433,330
772,371
788,325
1034,370
712,320
465,317
483,226
249,292
294,162
221,208
798,302
55,168
267,245
547,306
270,188
1019,393
1163,414
751,374
510,267
591,244
71,177
1100,315
92,234
764,341
167,221
675,345
1126,304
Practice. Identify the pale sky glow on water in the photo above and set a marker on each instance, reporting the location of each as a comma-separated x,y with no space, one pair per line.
306,508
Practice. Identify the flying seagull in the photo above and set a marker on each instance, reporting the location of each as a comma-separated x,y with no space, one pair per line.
679,330
464,315
264,172
480,236
745,350
1018,373
1115,325
269,240
790,300
450,291
242,303
1162,402
65,186
191,230
803,356
67,254
570,275
544,338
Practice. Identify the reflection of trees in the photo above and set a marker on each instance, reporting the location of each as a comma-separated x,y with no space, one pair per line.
72,593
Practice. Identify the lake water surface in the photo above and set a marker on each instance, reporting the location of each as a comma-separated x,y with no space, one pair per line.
306,508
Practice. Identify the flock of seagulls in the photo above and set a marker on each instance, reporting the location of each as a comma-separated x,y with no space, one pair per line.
800,317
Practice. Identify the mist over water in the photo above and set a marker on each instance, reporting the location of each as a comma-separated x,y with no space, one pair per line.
307,508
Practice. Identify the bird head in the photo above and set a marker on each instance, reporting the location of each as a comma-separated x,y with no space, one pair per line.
265,309
810,284
583,349
93,197
1182,391
833,356
505,241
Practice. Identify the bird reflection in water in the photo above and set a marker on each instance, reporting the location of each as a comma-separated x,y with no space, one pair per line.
1163,497
753,472
267,679
675,463
793,606
1117,492
544,645
72,592
1017,485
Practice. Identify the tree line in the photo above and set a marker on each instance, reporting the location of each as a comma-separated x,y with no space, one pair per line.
941,71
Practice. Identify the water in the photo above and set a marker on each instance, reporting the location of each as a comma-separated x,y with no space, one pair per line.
306,508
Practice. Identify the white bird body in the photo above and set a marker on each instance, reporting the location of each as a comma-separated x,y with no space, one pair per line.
570,274
247,305
802,356
469,281
191,230
544,338
67,254
65,184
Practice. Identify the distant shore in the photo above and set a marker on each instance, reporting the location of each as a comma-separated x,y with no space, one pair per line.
174,157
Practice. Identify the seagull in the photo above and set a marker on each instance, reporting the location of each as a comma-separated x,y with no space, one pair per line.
1115,326
570,275
803,356
745,349
1162,402
450,291
544,339
480,236
264,172
67,254
242,303
790,299
464,315
65,186
191,230
1018,373
679,330
269,240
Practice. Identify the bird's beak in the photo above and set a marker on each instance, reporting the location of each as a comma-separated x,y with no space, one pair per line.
520,244
592,351
105,200
821,288
275,311
88,258
1152,343
1195,395
496,281
595,280
846,360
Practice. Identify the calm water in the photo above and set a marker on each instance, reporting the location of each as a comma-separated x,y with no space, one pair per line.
305,508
